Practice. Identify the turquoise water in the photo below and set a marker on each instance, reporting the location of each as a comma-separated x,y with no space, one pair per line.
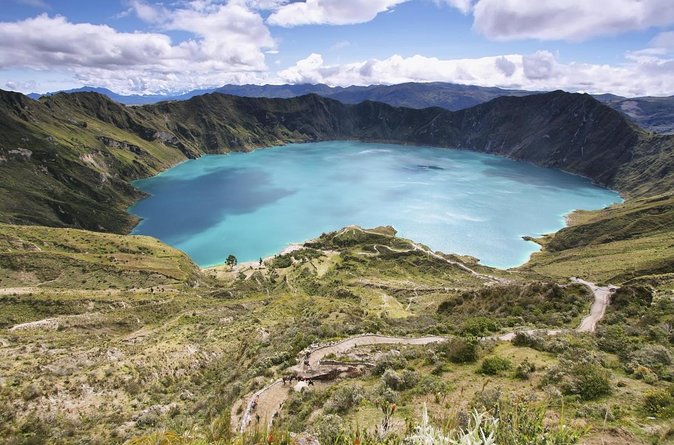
254,204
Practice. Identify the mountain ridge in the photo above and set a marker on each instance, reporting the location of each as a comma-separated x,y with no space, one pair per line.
83,149
653,113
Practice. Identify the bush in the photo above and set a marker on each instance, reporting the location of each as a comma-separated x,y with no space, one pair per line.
530,340
659,403
495,365
344,398
430,384
589,382
479,326
462,350
615,340
645,373
655,357
524,370
392,360
329,429
399,382
281,262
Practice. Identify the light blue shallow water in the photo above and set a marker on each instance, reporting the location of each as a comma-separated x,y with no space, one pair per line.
252,205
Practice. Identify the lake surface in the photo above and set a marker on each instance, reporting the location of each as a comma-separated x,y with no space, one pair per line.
254,204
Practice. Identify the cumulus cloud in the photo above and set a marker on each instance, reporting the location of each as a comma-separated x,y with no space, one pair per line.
540,65
639,75
228,43
330,12
505,66
573,20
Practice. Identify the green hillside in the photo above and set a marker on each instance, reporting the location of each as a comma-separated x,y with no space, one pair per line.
67,160
110,338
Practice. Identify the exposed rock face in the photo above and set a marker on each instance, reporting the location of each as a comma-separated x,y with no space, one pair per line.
573,132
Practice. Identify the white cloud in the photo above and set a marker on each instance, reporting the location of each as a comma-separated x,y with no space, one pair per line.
28,85
330,12
573,20
228,43
462,5
639,75
540,65
505,66
266,5
147,12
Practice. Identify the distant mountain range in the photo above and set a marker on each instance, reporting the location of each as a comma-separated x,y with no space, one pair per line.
652,113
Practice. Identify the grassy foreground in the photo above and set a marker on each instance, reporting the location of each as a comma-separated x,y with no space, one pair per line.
114,339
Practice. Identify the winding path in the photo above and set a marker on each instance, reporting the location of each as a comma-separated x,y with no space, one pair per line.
420,248
602,297
267,402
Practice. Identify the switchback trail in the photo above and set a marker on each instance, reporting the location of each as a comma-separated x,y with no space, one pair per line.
267,402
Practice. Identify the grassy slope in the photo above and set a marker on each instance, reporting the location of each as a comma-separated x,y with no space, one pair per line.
614,245
131,327
130,360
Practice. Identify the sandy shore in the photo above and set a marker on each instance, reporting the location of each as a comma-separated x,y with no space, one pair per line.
247,265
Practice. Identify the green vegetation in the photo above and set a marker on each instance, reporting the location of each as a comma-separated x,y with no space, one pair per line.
110,339
177,348
495,365
81,150
620,243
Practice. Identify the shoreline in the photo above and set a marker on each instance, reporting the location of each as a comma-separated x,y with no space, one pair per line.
292,247
567,218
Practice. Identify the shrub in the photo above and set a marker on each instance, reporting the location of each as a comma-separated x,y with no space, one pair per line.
524,370
495,365
399,382
479,326
646,374
529,339
392,360
430,384
462,350
329,429
655,357
615,340
659,403
344,398
589,382
631,298
281,262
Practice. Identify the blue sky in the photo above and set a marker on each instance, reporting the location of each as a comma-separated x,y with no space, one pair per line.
143,46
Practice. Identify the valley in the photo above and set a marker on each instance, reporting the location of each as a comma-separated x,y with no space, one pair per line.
113,338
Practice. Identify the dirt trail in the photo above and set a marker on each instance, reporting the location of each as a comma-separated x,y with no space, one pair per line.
602,297
343,346
420,248
264,404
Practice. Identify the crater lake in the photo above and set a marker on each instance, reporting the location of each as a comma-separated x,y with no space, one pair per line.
254,204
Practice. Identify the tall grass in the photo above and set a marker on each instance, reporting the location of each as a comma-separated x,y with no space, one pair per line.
508,423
